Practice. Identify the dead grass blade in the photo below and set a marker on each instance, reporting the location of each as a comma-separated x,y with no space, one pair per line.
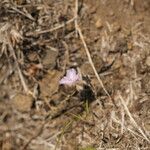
87,51
132,119
51,30
25,87
22,13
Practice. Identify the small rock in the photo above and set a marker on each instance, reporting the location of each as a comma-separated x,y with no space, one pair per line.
50,83
49,60
111,13
129,45
148,61
117,64
147,124
99,24
22,102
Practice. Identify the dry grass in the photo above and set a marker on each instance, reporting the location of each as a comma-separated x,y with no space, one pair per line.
62,118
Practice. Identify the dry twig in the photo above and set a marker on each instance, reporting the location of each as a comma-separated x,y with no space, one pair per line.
88,53
18,68
51,30
132,119
22,13
76,15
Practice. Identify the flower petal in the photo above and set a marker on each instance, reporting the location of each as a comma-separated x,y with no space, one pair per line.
65,80
70,78
71,73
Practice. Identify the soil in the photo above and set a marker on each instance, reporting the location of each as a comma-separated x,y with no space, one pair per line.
39,43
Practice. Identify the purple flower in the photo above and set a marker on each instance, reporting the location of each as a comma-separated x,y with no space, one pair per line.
71,77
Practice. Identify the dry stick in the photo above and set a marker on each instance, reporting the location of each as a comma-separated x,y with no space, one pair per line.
51,30
18,68
87,51
122,121
76,16
22,13
66,56
91,62
131,118
127,128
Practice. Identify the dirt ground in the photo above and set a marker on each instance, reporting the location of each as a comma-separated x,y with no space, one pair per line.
109,108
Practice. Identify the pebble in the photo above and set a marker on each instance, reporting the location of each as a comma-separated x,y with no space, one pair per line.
111,13
148,61
22,102
49,60
99,24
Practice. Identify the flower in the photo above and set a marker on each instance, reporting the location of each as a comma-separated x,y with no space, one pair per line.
71,77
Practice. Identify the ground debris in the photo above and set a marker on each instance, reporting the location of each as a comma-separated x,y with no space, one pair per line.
40,41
